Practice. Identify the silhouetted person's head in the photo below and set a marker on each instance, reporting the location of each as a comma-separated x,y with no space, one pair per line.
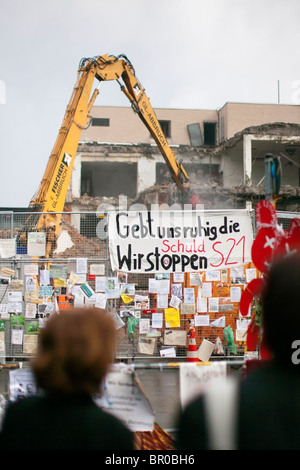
76,348
281,307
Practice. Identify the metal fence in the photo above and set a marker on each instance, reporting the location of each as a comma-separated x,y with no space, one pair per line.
32,286
79,271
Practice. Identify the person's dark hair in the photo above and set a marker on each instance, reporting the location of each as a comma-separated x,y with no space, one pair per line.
281,307
75,350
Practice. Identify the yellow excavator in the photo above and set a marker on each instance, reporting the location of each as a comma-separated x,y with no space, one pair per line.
48,202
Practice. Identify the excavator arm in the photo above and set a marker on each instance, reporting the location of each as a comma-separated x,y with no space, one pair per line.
48,202
142,106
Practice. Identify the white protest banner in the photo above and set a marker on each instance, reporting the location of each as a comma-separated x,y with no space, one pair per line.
179,241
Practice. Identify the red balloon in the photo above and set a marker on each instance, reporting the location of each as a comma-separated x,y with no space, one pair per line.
265,213
252,335
265,352
289,243
252,289
263,247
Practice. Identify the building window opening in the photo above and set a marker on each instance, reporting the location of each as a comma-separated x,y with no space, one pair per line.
103,122
165,127
209,131
109,179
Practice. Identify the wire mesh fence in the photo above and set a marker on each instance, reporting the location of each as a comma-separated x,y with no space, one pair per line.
33,286
164,332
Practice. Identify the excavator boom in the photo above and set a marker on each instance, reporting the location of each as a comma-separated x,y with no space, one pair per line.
49,200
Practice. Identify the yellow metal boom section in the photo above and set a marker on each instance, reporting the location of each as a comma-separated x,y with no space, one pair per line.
51,195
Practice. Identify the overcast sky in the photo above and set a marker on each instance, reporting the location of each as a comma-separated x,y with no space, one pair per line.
196,54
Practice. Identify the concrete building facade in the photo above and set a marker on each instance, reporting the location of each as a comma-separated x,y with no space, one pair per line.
223,152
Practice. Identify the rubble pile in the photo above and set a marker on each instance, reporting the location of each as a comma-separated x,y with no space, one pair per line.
82,246
214,196
95,203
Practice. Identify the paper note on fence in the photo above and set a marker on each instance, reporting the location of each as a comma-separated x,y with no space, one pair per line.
172,317
195,378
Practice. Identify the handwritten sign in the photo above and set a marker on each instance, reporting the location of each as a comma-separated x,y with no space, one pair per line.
195,379
123,397
179,241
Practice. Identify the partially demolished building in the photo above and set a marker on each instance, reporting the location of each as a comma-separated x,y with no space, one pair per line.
223,152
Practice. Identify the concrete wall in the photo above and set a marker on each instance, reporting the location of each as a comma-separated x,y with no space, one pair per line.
239,116
126,127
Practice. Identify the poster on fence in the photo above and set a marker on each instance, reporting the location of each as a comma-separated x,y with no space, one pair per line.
36,244
7,248
179,241
194,378
21,384
123,396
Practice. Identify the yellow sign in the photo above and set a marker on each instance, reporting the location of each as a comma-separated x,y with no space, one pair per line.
126,299
172,317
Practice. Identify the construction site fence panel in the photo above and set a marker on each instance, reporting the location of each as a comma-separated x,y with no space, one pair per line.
78,273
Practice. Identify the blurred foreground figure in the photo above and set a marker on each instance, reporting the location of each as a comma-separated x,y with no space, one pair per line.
267,401
76,348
